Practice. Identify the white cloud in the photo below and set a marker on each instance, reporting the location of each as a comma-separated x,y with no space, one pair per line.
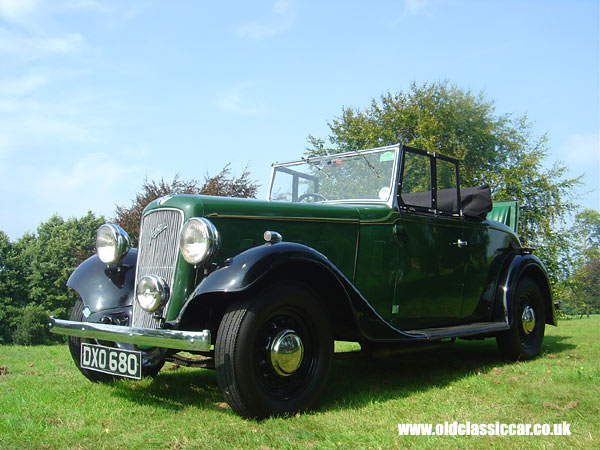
582,149
27,34
95,174
33,46
581,152
22,86
30,121
284,19
416,7
93,182
19,11
37,130
67,43
6,142
28,13
236,101
91,5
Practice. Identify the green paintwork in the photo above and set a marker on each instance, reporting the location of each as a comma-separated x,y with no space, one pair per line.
506,212
329,229
407,265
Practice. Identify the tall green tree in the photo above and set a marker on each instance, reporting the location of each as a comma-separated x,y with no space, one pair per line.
58,248
8,270
11,285
582,288
586,231
586,288
499,150
438,117
34,272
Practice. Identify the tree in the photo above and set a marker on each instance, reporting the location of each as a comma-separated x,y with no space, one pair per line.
33,274
435,117
31,327
586,230
582,288
499,150
58,247
587,288
7,269
222,184
11,283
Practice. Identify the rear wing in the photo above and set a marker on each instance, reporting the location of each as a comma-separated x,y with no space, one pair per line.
506,212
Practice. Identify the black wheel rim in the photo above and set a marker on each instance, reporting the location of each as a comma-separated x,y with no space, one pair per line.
274,385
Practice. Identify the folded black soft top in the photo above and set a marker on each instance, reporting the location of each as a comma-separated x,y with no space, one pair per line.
476,201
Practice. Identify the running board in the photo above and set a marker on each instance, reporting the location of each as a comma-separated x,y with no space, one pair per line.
471,329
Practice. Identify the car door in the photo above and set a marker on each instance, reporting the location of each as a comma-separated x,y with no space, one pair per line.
432,252
486,249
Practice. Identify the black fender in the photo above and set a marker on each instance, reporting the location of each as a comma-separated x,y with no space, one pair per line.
248,269
524,264
103,287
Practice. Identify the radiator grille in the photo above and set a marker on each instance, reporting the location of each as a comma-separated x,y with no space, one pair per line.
157,255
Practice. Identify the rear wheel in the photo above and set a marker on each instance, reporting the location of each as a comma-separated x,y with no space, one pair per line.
273,352
528,318
148,369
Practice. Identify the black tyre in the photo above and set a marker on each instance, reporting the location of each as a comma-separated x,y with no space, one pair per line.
528,319
148,369
273,352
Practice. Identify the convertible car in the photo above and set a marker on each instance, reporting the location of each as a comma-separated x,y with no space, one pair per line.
381,246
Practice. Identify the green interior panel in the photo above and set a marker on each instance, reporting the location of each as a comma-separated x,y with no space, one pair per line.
506,212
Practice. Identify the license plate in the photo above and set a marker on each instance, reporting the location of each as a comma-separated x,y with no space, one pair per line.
115,361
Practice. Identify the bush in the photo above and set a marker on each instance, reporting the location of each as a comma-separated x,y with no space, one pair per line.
32,327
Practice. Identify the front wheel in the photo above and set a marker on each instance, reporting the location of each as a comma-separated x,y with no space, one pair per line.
273,352
528,317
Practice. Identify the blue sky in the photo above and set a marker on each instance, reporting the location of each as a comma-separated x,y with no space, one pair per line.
97,95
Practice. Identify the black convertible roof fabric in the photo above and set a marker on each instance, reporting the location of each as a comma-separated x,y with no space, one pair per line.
476,201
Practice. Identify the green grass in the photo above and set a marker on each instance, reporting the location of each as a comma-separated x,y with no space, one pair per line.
46,403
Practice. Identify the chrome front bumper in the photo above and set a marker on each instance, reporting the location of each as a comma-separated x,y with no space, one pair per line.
177,339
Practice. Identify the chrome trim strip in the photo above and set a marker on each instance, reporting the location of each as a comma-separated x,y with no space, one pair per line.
270,184
505,289
288,218
339,155
393,198
177,339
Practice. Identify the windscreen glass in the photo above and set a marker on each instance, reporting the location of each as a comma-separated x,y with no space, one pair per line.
356,176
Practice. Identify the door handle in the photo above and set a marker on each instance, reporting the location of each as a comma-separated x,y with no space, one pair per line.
460,243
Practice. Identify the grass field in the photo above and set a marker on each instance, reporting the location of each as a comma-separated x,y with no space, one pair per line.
46,403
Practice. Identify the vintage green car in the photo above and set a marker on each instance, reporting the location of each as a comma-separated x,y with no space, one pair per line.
380,246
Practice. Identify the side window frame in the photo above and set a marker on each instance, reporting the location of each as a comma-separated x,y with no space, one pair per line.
296,180
433,157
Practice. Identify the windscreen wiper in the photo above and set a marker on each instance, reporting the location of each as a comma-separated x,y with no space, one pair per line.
306,160
368,164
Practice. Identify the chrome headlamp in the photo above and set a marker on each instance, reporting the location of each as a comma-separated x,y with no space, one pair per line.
199,240
112,243
152,292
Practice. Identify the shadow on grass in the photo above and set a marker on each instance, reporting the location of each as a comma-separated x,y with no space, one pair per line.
352,384
556,344
174,389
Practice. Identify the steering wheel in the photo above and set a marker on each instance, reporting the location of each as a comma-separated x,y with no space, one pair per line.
314,195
